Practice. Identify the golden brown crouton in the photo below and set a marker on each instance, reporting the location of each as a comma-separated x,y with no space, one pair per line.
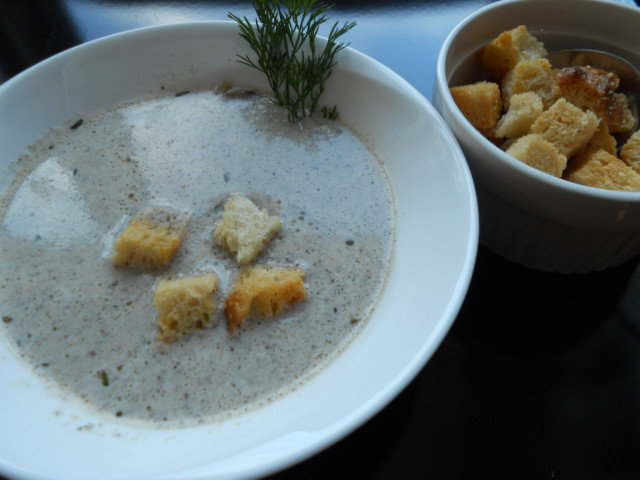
602,170
263,291
620,117
509,48
602,140
594,89
523,110
480,103
536,152
529,76
566,126
508,142
630,152
586,87
184,304
245,229
152,238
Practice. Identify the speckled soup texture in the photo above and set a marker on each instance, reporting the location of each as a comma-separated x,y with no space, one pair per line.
91,327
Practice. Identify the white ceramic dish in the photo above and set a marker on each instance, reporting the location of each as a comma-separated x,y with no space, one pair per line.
527,216
46,434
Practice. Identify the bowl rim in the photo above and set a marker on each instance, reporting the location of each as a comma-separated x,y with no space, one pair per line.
374,405
520,168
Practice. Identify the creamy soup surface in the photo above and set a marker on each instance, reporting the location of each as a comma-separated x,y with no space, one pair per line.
92,327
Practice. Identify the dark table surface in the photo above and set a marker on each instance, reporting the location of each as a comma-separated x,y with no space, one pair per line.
539,376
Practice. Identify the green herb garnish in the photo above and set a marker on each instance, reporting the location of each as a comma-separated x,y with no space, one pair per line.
284,39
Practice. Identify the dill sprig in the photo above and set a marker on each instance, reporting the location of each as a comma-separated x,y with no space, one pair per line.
283,38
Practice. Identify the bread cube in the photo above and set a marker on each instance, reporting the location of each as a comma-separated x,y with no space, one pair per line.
566,126
263,291
587,88
508,142
593,89
523,110
538,153
603,170
152,238
480,103
245,229
630,152
620,117
603,140
184,304
509,48
529,76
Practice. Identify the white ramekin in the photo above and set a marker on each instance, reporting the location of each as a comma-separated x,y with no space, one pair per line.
527,216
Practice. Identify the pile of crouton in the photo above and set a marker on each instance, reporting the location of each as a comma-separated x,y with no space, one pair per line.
154,236
559,121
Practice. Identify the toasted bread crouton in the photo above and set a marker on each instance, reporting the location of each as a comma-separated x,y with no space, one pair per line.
184,304
263,291
529,76
588,88
523,110
620,117
603,140
594,89
630,152
602,170
152,238
538,153
480,103
507,143
566,126
509,48
245,229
